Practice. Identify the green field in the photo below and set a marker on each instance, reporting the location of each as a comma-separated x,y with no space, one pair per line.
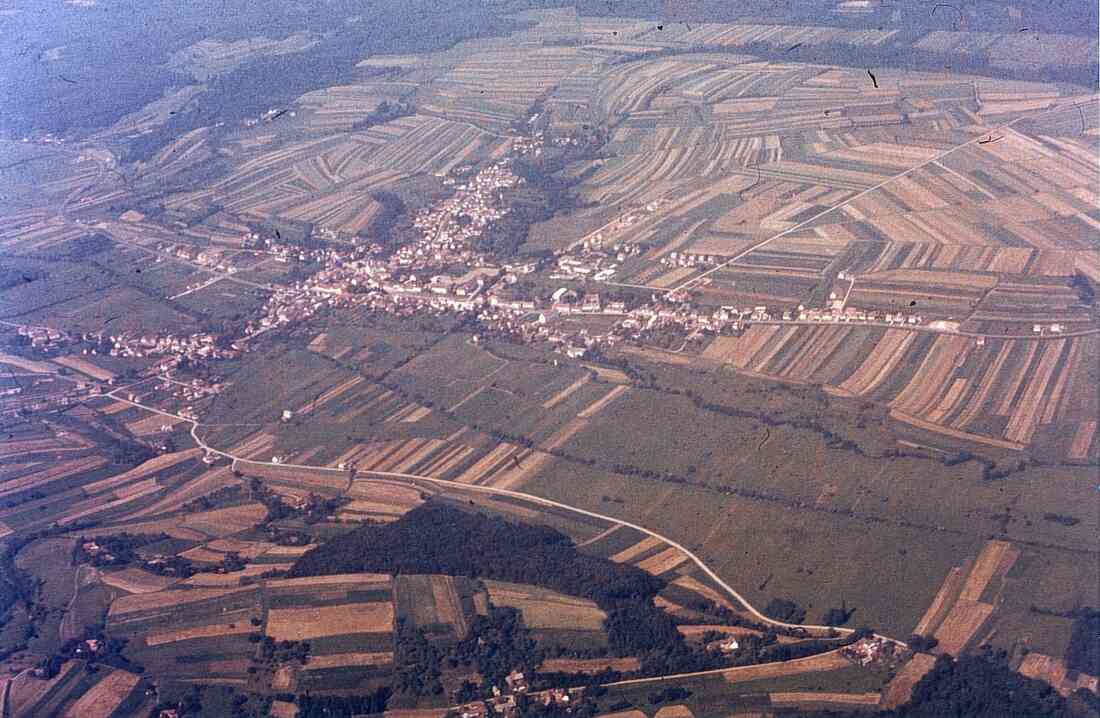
714,696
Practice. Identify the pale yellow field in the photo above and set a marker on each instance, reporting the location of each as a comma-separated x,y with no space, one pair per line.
283,709
186,634
85,367
823,662
664,561
965,619
590,665
631,552
546,609
167,599
675,711
235,578
337,660
994,554
299,624
25,690
900,689
104,697
852,699
373,580
135,580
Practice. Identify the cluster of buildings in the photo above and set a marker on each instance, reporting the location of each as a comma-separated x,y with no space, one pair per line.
204,257
689,259
43,339
505,702
591,260
175,350
866,651
453,224
400,282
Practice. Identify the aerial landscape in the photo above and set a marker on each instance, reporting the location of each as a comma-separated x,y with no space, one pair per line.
533,359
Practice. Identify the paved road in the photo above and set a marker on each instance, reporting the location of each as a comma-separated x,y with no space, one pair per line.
511,494
931,330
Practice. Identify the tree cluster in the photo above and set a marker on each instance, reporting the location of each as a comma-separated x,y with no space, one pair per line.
439,538
976,686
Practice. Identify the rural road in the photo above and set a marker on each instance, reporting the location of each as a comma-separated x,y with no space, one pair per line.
928,329
732,592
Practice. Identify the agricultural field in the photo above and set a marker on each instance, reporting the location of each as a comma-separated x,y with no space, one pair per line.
441,606
723,507
551,616
787,320
826,681
76,692
1003,393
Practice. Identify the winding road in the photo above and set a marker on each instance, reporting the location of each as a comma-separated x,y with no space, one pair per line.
730,590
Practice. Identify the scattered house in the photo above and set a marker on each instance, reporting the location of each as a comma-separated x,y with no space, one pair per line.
868,650
516,681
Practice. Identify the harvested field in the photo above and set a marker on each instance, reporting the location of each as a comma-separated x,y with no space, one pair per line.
387,497
257,446
1054,672
431,601
663,562
85,367
958,628
691,630
629,554
288,551
55,472
195,527
565,393
615,376
448,604
1082,440
371,580
595,407
151,424
696,586
104,697
186,634
899,690
206,483
417,713
152,466
625,714
590,665
168,599
235,578
339,660
225,522
36,367
543,608
246,549
822,662
25,691
136,580
417,413
297,477
283,709
996,556
945,597
299,624
839,699
674,711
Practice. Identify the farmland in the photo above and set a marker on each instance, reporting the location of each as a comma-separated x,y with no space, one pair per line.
664,353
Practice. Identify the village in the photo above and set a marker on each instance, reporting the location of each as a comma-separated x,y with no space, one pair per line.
568,300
